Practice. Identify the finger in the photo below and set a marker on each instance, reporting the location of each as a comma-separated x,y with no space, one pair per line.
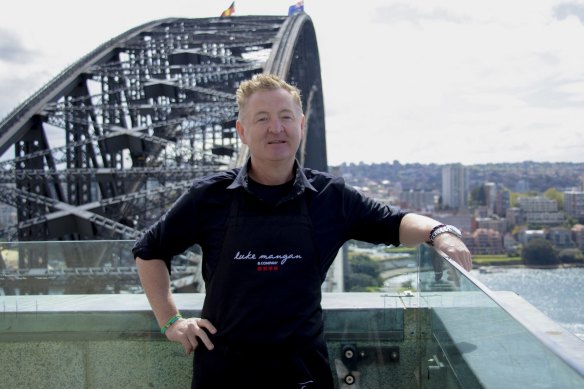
462,261
189,349
205,339
192,341
466,264
204,323
467,261
197,330
187,345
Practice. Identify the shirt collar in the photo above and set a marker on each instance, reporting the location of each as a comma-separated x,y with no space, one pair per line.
300,180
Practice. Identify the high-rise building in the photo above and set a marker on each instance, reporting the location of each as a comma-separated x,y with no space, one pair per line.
490,189
455,186
502,202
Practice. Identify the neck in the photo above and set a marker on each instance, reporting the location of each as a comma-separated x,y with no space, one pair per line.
274,173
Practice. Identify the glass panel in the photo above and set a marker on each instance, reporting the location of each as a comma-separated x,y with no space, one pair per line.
426,326
79,267
372,335
476,343
374,268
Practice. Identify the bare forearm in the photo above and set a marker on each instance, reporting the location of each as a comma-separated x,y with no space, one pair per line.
415,229
156,283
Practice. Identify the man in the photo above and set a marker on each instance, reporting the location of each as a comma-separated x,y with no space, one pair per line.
269,232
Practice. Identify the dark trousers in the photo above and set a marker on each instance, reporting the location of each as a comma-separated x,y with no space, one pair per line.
226,367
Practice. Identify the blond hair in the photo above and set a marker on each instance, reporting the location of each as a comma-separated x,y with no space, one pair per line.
264,82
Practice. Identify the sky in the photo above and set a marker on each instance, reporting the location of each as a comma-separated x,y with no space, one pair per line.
421,81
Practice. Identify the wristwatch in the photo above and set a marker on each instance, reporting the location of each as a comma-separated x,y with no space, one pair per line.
442,229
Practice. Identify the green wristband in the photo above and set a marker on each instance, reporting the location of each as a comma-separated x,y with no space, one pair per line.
170,322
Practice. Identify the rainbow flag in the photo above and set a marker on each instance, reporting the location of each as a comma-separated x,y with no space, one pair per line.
298,7
229,11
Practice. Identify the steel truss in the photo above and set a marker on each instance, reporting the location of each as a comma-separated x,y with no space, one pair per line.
102,150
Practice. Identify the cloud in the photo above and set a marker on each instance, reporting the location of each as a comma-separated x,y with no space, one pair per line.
403,12
17,89
564,10
11,48
555,93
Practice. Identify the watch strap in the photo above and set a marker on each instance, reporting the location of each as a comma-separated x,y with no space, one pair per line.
430,240
443,229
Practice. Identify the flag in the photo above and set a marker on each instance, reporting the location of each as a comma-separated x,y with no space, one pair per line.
298,7
229,11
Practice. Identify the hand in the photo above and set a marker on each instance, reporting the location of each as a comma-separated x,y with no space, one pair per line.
454,248
189,332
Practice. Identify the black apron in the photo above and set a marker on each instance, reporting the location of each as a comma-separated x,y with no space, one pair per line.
264,299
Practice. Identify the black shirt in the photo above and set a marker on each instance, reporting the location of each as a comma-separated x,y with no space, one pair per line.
338,213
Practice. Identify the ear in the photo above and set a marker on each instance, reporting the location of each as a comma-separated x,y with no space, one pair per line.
240,131
302,122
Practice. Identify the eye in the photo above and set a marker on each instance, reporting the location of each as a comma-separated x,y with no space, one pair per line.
261,119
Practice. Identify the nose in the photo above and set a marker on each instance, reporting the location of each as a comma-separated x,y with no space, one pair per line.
276,126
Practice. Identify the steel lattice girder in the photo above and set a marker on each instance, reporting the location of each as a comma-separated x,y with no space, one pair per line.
102,150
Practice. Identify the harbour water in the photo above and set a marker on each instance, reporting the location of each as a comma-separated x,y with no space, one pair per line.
558,293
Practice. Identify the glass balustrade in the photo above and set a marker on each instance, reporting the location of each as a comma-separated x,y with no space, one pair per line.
476,343
72,315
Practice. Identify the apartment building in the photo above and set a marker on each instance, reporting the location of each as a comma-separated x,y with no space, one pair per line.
560,237
455,182
484,241
574,204
578,236
539,210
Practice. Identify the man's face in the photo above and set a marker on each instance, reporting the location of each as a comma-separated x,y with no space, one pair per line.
272,126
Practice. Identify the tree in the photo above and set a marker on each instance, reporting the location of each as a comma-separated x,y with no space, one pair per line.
571,256
364,274
360,282
553,194
539,252
364,264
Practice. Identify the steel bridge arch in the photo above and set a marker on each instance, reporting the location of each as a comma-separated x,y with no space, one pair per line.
106,146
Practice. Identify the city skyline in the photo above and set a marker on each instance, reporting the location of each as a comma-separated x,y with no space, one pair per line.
410,81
